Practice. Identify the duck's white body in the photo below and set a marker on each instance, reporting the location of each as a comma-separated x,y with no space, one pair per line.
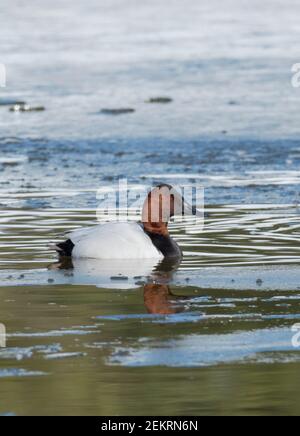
113,241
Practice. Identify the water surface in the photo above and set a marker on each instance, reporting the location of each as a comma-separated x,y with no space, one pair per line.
223,316
137,337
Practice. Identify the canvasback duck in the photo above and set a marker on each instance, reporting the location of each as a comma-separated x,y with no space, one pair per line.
148,239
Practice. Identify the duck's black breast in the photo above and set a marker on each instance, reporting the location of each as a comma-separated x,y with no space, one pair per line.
166,245
65,249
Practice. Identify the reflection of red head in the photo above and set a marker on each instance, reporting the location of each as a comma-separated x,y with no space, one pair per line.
158,300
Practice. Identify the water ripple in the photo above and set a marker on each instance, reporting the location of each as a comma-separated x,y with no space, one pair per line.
232,235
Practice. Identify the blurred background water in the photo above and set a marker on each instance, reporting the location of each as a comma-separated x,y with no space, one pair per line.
178,340
216,60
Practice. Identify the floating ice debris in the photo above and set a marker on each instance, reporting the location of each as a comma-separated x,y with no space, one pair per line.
100,345
13,160
291,316
11,102
17,372
180,318
160,100
207,350
121,278
16,353
177,318
52,333
56,356
127,317
19,353
26,108
121,111
49,349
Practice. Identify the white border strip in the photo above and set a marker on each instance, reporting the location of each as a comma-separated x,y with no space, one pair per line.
2,76
2,336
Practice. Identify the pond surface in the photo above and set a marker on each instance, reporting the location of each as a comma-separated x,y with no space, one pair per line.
100,337
95,337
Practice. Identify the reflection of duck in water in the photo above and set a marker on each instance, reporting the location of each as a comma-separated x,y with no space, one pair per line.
116,274
158,297
159,300
148,239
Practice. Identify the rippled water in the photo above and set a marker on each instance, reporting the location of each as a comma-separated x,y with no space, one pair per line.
229,305
99,337
240,236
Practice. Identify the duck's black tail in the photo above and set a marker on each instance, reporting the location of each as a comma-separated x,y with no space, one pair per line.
64,248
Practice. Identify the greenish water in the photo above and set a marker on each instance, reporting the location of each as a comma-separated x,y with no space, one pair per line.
88,384
160,339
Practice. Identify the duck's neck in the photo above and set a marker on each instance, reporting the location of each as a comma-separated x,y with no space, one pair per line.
156,228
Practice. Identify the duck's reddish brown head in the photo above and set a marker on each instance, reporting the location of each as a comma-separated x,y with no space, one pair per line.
159,207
